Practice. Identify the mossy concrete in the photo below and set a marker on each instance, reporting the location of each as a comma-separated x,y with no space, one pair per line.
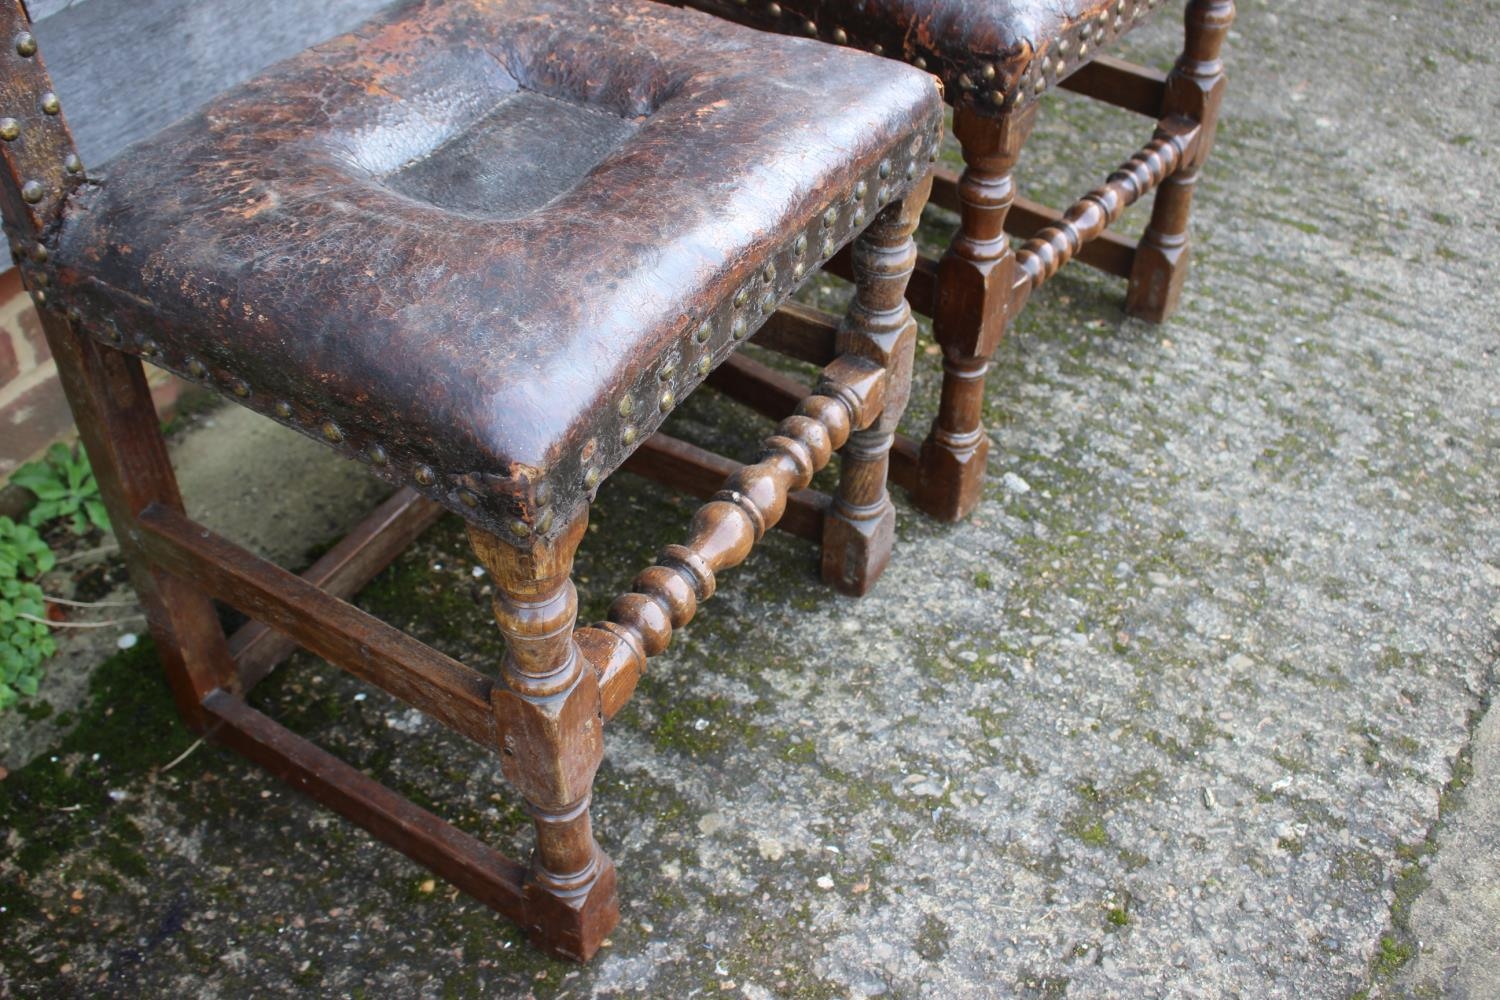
1195,705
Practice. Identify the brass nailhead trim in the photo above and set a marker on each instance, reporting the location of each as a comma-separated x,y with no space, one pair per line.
26,44
50,104
32,192
10,129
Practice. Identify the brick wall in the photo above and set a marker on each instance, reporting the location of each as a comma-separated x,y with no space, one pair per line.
33,412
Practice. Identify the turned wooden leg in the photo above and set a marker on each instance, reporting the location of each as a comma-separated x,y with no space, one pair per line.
971,310
117,421
860,527
1195,90
551,720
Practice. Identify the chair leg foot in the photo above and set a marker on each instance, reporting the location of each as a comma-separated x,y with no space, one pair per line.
1157,278
857,546
951,476
572,924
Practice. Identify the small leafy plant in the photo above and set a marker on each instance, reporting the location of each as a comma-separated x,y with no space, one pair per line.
65,488
25,642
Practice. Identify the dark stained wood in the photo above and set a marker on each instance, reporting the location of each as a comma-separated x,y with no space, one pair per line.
800,332
1195,91
342,572
550,711
860,528
1114,81
920,288
469,864
1052,247
752,499
117,421
972,310
1109,252
698,472
765,390
370,649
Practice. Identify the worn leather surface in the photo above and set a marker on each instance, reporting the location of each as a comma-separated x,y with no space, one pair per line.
981,49
487,244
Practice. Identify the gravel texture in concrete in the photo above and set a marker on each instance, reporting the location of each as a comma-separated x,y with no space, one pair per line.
1189,708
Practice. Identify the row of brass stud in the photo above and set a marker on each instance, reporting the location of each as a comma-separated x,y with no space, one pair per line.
1068,53
755,300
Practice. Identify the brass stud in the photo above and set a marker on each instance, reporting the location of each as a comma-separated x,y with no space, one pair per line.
10,129
72,164
39,280
668,371
859,215
284,409
964,82
741,297
987,71
150,348
861,189
705,330
240,388
667,401
1062,46
741,328
1040,85
628,436
840,36
423,475
544,522
26,44
627,406
467,498
774,9
829,247
32,192
39,297
39,254
1082,49
885,169
798,269
50,103
997,97
830,217
919,62
705,364
331,432
768,273
877,49
591,478
542,495
520,527
377,455
799,245
810,29
768,303
196,368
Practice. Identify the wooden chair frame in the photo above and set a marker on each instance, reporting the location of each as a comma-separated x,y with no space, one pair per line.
544,710
981,283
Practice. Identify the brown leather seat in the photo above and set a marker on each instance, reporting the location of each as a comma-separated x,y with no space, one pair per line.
991,54
485,244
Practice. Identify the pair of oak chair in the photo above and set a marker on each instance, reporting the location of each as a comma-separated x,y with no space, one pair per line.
485,247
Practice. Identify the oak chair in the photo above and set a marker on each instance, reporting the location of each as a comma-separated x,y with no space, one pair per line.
997,57
484,247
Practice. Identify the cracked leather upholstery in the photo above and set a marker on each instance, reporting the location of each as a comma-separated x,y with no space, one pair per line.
485,245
